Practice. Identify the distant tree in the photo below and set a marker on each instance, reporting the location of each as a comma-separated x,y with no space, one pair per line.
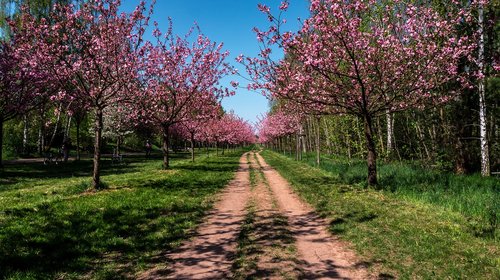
20,88
180,77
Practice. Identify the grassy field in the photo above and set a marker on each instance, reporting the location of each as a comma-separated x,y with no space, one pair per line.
51,227
473,196
417,227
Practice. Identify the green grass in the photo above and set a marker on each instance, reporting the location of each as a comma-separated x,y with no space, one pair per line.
52,228
473,196
396,234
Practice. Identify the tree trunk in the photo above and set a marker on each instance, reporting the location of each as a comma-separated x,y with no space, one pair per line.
216,148
1,142
166,138
390,135
40,140
421,137
56,127
297,146
66,141
381,137
372,153
118,144
310,135
96,180
318,146
302,141
349,145
67,129
192,147
327,138
25,134
41,134
77,140
485,154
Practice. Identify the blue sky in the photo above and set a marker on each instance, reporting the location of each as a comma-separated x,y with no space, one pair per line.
230,22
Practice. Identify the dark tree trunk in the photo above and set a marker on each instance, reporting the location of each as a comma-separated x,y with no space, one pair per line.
96,181
78,140
118,144
297,147
327,138
216,148
41,135
166,139
318,144
372,153
192,147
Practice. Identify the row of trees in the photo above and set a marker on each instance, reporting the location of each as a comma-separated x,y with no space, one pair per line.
90,58
368,60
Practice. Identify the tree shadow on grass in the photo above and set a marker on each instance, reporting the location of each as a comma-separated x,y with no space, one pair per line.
72,243
219,167
18,173
81,237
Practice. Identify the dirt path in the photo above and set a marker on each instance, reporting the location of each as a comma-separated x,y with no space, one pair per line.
210,254
284,238
321,256
267,250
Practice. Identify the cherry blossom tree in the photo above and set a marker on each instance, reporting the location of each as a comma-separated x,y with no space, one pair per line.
228,129
91,52
236,131
20,89
192,126
181,74
365,58
278,124
117,124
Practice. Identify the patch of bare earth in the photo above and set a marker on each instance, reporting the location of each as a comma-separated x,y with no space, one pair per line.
284,238
210,254
271,252
321,256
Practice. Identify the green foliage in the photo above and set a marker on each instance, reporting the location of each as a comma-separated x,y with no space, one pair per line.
52,227
413,229
12,140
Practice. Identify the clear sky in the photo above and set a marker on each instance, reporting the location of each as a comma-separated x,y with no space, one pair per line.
230,22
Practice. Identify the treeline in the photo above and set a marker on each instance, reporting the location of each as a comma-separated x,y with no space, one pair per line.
445,137
80,74
402,80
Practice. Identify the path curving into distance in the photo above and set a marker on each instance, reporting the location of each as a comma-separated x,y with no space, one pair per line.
289,241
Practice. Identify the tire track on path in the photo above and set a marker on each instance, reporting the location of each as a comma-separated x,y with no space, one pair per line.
269,249
321,256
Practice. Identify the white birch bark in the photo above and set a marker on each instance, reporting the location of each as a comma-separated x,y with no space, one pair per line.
485,160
